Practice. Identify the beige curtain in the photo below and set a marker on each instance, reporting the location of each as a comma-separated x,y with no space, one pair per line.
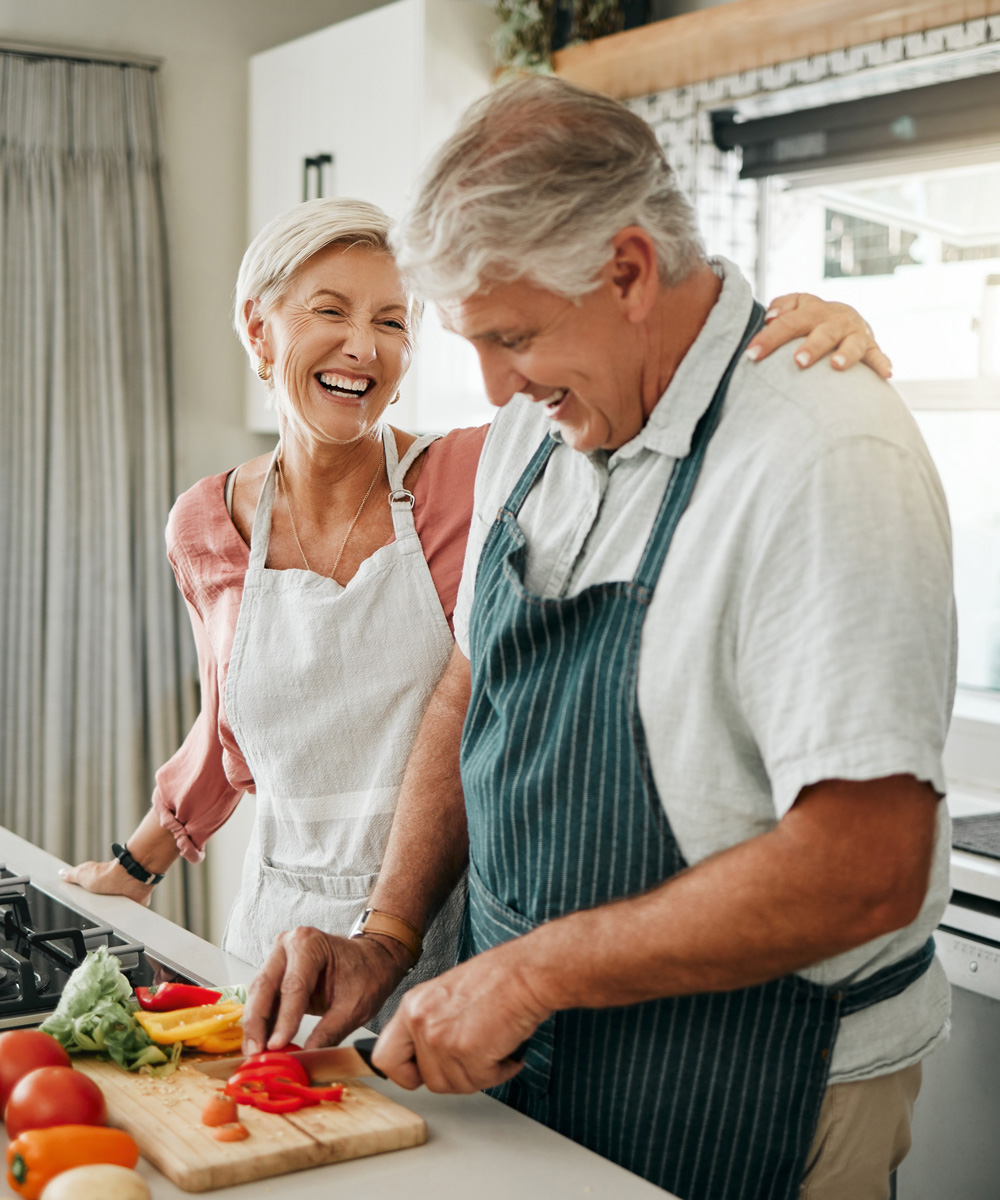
93,693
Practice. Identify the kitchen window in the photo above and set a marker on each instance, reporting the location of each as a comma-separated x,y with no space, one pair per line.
890,202
918,252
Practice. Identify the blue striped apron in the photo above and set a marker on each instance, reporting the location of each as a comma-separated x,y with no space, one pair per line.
713,1096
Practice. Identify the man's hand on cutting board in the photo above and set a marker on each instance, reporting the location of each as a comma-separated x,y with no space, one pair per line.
343,980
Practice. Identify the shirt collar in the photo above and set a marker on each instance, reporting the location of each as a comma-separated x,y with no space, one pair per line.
672,422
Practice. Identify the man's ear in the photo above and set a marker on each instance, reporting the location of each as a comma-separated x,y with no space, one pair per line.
634,272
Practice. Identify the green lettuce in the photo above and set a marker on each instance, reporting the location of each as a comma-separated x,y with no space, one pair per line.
96,1015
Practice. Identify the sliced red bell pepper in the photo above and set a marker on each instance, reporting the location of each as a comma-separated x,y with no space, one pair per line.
266,1085
290,1066
312,1095
165,997
264,1073
254,1093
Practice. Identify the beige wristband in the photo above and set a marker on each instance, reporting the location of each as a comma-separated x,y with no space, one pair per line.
373,921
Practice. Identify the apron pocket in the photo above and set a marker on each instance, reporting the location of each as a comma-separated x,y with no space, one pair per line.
339,887
491,923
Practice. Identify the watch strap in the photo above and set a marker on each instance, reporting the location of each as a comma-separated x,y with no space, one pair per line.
373,921
135,869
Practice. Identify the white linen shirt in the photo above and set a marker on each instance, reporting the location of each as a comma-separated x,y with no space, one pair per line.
803,625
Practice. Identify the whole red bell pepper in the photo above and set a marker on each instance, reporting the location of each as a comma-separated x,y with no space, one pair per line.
167,996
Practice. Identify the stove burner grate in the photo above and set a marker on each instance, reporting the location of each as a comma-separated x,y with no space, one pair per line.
11,981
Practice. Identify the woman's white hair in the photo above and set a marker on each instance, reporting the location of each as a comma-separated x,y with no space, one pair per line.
288,241
534,184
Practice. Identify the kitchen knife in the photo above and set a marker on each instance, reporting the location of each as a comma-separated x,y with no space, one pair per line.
328,1065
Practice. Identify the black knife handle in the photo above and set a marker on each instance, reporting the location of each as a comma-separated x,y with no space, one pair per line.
364,1047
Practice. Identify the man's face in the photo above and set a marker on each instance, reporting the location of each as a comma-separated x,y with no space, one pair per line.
577,361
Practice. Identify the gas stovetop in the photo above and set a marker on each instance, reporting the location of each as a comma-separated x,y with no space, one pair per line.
44,940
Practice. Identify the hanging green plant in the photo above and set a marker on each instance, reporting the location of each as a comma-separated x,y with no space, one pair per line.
597,18
523,40
531,29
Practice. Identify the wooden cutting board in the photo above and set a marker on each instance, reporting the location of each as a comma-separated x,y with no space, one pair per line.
164,1117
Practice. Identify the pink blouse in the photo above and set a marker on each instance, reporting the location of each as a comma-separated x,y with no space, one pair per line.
199,787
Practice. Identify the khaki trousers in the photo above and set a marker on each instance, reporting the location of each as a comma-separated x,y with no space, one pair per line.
862,1136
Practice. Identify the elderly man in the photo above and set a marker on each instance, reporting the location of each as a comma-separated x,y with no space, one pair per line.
705,669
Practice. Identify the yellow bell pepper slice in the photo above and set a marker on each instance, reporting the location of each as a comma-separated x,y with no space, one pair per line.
226,1041
190,1024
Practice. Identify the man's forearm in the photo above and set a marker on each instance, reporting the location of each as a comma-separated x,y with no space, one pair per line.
428,846
830,877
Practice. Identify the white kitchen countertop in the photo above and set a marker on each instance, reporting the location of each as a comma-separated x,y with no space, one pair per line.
476,1146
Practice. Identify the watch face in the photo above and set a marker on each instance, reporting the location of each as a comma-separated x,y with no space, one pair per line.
358,928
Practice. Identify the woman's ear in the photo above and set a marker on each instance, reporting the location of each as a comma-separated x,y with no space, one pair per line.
254,319
634,272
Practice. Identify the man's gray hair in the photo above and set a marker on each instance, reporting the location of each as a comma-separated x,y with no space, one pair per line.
288,241
535,183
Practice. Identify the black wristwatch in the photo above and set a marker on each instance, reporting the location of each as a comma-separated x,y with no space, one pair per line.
136,870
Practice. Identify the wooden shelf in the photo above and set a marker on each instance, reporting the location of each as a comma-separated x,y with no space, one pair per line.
745,34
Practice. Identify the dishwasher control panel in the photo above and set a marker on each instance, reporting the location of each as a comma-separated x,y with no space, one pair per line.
968,944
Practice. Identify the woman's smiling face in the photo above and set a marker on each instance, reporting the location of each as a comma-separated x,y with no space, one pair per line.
340,341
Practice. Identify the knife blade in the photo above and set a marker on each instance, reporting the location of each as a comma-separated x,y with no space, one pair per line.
328,1065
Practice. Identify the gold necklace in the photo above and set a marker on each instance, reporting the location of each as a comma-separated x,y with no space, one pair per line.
350,529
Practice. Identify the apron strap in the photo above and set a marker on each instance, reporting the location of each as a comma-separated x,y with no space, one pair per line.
416,449
888,982
531,472
686,470
400,500
260,533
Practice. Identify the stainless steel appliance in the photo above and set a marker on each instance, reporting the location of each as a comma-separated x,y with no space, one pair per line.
44,940
956,1128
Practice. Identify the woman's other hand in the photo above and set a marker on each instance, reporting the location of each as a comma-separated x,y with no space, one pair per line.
344,980
108,879
828,328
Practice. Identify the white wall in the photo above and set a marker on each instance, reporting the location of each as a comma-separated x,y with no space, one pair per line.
436,59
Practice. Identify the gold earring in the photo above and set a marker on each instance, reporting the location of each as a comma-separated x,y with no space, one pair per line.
263,370
393,401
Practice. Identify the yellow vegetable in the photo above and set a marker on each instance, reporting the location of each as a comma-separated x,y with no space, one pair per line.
190,1024
97,1182
227,1041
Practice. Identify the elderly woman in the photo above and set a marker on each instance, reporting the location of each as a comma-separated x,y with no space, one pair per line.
320,582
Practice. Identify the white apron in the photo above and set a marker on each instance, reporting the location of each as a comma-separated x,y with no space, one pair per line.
327,686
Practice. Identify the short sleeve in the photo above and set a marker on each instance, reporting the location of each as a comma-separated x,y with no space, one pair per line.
442,510
846,651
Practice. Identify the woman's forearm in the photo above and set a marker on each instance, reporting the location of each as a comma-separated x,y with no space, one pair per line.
153,846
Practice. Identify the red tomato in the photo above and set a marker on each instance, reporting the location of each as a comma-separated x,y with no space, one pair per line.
54,1096
23,1050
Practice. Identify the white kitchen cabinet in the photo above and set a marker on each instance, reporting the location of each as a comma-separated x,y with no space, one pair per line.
378,93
